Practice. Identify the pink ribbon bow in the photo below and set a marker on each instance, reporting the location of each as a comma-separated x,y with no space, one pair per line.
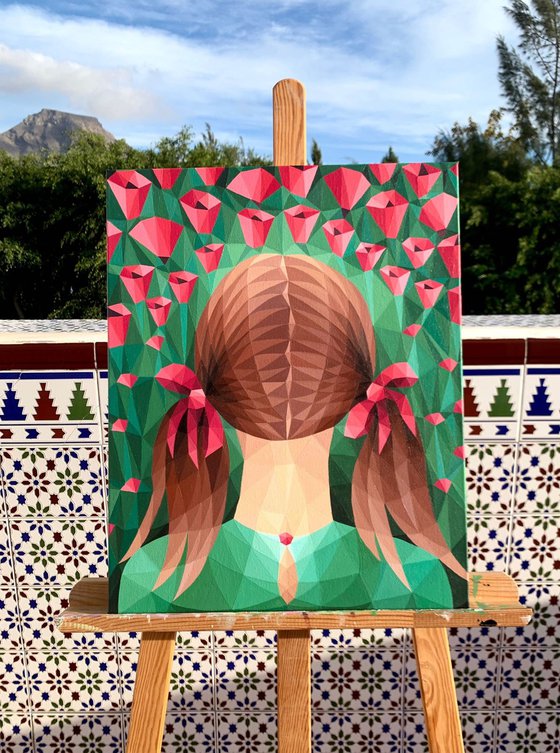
197,409
377,395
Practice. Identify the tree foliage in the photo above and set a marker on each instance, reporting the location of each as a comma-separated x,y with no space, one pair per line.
52,218
316,155
530,76
390,156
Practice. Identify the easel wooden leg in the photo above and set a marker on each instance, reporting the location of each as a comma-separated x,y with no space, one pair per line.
149,702
439,697
294,691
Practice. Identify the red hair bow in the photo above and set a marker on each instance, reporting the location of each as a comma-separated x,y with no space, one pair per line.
377,396
198,410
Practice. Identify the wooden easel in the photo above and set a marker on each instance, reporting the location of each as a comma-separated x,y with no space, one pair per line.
493,601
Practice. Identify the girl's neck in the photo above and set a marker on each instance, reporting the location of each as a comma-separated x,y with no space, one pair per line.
285,484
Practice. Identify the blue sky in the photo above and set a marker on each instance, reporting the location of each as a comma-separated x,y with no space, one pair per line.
377,72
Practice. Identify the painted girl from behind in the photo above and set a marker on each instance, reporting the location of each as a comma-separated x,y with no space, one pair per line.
284,351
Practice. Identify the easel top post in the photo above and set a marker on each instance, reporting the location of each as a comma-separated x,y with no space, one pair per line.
289,123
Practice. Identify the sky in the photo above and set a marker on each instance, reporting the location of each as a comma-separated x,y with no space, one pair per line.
376,72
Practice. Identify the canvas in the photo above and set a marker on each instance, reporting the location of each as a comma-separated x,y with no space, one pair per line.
285,389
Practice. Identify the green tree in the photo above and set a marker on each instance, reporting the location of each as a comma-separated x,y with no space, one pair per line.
316,155
492,167
530,76
537,213
52,218
390,156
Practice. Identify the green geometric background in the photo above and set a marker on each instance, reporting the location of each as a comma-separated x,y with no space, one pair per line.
145,403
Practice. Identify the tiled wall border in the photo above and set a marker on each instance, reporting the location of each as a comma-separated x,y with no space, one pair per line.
364,684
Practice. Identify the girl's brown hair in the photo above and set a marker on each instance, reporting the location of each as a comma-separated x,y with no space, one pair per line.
285,348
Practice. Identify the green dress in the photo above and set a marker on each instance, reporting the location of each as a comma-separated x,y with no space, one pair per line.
334,567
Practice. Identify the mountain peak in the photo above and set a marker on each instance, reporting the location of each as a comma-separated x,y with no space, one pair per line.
48,130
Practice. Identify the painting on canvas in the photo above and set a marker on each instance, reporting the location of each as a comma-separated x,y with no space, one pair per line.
285,389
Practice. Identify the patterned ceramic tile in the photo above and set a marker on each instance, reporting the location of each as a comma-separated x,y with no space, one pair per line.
528,732
541,403
13,682
538,479
6,560
466,641
250,639
58,552
357,733
356,680
245,681
247,733
10,626
345,640
535,548
530,678
50,406
492,396
543,598
185,642
475,676
488,543
478,732
103,391
52,481
189,733
86,733
191,685
490,477
65,683
39,608
15,733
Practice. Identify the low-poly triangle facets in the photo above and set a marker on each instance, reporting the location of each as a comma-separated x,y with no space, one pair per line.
301,221
137,279
422,177
158,235
182,284
338,234
450,252
257,184
368,254
395,278
167,176
428,292
118,321
418,250
384,171
210,256
255,226
113,238
437,212
285,389
347,185
210,175
298,180
159,309
388,210
130,189
202,209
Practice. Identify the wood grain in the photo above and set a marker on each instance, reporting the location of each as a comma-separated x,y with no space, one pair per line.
294,691
493,601
433,660
151,688
289,123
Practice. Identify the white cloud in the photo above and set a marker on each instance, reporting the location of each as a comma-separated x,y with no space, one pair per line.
107,93
382,72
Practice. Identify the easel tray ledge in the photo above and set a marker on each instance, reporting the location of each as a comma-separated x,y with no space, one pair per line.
493,601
